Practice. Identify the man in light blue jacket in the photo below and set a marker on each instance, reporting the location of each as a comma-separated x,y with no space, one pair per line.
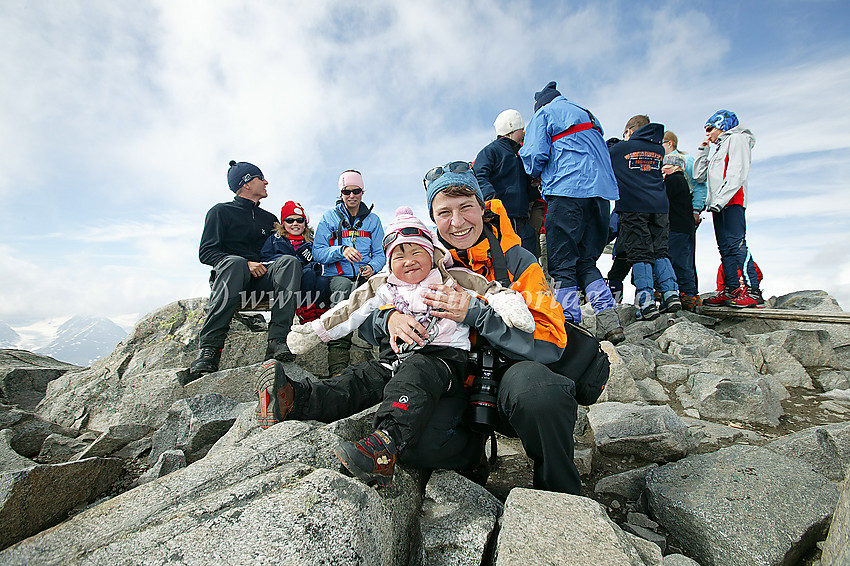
564,146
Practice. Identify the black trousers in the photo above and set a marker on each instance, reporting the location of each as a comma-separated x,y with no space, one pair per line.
534,402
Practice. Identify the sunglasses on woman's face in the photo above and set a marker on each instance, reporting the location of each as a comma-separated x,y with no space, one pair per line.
298,220
439,171
347,192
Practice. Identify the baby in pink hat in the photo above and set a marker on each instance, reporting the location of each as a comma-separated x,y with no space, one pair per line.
412,378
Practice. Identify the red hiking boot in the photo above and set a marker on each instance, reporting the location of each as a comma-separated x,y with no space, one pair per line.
747,298
277,396
721,299
372,459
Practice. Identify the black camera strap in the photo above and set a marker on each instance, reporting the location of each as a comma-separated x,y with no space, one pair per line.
500,264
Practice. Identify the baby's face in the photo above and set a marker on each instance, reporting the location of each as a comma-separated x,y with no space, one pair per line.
410,262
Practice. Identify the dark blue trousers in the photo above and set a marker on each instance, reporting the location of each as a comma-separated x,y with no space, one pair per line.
681,248
576,234
730,231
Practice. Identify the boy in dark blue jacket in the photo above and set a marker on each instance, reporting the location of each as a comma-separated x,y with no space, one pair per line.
644,215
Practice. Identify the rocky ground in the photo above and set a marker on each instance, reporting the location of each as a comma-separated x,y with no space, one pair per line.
722,441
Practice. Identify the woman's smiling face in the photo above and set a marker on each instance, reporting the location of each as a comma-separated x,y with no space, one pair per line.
460,220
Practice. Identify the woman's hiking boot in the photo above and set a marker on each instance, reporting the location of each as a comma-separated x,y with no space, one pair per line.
276,392
372,459
649,312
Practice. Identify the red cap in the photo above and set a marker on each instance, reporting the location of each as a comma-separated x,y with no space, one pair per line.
290,208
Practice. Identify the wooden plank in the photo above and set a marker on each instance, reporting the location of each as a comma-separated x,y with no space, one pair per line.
777,314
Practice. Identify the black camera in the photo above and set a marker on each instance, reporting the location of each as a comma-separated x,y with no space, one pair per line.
488,366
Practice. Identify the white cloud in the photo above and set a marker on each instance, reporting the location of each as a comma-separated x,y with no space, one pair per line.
122,118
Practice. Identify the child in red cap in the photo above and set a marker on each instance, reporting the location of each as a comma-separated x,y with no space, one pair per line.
293,236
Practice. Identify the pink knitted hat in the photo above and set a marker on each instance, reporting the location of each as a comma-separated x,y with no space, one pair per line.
350,179
405,228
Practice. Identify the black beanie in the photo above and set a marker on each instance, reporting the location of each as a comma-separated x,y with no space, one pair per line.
545,96
240,173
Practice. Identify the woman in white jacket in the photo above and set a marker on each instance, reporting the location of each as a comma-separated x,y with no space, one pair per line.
726,172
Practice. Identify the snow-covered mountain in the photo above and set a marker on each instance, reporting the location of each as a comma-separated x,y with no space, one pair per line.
81,340
8,337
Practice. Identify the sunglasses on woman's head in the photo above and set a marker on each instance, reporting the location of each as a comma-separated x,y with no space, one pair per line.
437,172
299,220
347,192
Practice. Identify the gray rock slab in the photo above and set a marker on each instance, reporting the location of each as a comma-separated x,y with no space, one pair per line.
737,398
40,496
689,339
263,498
672,373
639,359
628,485
742,506
836,549
29,430
654,433
456,520
779,363
713,436
833,379
24,376
647,534
169,461
826,449
577,532
621,384
9,459
113,439
812,348
58,448
194,425
679,560
651,391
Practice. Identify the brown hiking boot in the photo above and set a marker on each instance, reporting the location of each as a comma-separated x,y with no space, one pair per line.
371,460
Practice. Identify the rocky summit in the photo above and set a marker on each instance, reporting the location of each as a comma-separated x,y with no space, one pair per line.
718,441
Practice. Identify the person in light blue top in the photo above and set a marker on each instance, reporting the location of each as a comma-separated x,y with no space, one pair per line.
565,147
348,243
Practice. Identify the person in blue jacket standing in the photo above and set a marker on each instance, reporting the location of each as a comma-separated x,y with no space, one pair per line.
564,146
348,243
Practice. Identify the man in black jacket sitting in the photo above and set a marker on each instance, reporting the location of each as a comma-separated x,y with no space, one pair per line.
234,233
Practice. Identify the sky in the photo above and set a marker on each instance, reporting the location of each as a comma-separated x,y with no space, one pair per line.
118,119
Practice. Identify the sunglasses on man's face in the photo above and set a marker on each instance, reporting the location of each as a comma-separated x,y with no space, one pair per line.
347,192
437,172
299,220
709,129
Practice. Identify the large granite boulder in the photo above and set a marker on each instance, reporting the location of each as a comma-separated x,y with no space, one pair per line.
826,449
653,432
34,497
194,425
540,527
273,497
457,520
738,398
836,549
742,506
24,376
28,430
